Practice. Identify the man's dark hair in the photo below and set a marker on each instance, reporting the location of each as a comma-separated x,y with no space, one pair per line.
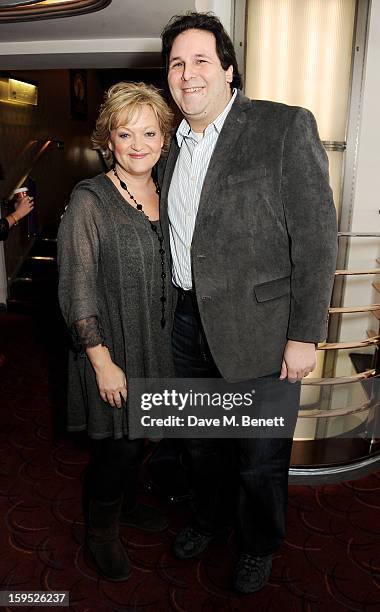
210,23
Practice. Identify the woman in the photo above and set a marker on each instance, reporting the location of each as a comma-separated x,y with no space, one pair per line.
114,292
22,208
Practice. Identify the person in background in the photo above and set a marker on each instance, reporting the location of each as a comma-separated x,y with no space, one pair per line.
247,205
115,295
23,207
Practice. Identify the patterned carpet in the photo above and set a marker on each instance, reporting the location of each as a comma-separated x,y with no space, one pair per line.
330,560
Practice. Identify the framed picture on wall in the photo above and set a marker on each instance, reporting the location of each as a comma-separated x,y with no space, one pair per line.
78,94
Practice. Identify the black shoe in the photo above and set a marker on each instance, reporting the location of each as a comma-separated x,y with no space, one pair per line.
190,543
104,543
252,573
144,517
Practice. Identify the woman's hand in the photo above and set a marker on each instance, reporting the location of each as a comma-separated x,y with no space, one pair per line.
112,384
111,380
24,206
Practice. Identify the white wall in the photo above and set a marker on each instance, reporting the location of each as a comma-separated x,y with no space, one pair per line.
366,203
221,8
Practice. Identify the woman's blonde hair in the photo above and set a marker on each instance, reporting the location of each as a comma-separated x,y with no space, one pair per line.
122,102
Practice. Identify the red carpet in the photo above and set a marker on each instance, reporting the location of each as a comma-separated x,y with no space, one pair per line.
329,562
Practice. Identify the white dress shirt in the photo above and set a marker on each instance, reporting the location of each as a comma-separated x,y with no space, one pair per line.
185,191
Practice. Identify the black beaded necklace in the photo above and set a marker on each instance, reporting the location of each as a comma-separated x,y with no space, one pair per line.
160,239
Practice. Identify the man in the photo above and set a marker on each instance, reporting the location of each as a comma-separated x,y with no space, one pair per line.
248,208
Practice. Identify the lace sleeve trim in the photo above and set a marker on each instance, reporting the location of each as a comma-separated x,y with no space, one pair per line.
88,333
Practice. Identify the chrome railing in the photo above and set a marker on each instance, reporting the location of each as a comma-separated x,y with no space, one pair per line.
41,146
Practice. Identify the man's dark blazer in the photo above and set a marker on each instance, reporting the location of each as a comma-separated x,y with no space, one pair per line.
264,246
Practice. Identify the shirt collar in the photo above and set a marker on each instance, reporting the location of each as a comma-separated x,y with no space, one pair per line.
184,130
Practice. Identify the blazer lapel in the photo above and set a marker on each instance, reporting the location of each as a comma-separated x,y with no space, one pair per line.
168,173
220,161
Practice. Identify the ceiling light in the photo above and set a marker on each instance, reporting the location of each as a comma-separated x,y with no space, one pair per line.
30,10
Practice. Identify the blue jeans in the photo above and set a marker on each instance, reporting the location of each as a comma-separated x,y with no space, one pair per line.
242,481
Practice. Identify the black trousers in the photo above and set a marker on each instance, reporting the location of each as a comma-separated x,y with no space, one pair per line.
113,469
235,480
